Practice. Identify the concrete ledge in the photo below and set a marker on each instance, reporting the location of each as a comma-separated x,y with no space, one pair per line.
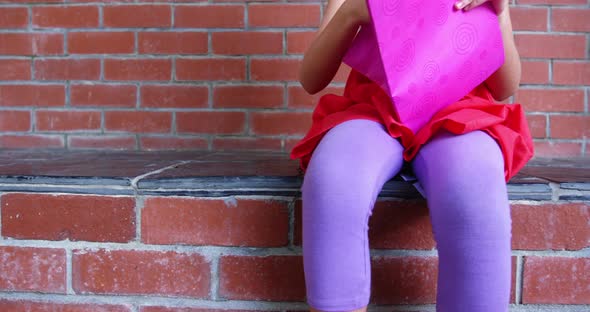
217,174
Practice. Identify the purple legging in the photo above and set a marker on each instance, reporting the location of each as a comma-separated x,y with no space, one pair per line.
463,179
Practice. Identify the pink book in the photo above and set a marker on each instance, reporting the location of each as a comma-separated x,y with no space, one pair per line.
426,54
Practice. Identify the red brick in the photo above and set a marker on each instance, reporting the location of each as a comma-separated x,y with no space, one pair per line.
65,16
556,280
31,43
211,69
255,223
537,125
551,46
298,228
299,98
290,143
220,122
101,141
172,42
17,17
283,15
400,225
529,18
569,127
103,95
32,95
551,100
173,143
247,42
299,41
33,269
274,69
557,149
388,225
66,120
137,121
275,123
550,226
571,73
72,217
275,278
513,281
31,141
140,272
15,120
266,69
137,16
15,69
101,42
247,143
407,280
563,19
535,72
67,69
209,16
248,96
31,306
138,69
174,96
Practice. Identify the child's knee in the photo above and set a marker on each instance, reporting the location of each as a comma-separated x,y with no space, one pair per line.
482,154
470,162
464,180
343,198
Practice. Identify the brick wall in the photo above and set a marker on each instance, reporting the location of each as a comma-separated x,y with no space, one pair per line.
64,252
221,74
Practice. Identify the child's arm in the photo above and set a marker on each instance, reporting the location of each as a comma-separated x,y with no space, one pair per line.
504,82
335,34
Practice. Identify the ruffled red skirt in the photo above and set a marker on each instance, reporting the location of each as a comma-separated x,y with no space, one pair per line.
364,99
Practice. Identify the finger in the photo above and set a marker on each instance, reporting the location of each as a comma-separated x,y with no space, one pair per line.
462,3
474,4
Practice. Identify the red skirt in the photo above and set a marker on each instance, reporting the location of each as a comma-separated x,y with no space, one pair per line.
364,99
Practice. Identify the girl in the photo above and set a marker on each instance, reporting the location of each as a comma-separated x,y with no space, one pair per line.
463,158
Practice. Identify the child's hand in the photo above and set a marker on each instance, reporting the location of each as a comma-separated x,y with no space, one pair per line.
358,10
499,5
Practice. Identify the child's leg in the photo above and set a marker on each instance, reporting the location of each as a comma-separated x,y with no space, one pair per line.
463,177
343,179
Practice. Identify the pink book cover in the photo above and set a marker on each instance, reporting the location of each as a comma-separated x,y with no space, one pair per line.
426,54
